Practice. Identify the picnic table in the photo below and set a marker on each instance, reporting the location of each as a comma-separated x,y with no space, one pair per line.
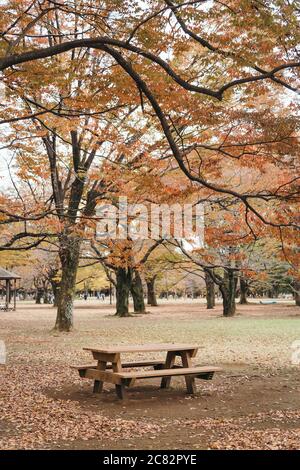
110,367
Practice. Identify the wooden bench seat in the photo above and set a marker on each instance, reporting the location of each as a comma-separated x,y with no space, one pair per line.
147,374
190,373
122,379
126,365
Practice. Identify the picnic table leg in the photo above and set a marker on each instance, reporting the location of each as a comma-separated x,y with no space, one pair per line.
120,389
117,367
170,360
190,381
98,384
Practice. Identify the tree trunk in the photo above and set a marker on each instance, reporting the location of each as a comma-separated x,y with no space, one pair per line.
243,291
123,284
55,290
39,295
69,257
228,290
229,307
275,292
137,293
46,297
151,296
271,293
297,293
210,291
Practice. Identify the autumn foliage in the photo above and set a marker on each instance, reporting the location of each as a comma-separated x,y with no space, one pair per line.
159,101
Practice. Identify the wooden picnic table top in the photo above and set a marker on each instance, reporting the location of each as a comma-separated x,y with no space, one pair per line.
144,348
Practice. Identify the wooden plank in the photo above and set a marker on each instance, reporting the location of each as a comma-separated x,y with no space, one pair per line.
129,382
90,366
125,365
168,372
128,365
176,370
193,352
189,381
105,357
98,384
120,389
170,360
103,376
116,365
144,348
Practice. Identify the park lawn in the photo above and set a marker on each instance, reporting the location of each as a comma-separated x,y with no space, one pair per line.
253,403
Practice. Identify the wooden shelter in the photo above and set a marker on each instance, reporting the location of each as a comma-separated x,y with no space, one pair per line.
9,278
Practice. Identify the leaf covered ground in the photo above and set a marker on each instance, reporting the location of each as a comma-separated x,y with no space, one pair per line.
252,404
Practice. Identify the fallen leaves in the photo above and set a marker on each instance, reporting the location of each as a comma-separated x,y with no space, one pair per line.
242,433
44,404
38,420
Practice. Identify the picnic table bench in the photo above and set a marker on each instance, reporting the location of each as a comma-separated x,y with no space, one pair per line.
109,367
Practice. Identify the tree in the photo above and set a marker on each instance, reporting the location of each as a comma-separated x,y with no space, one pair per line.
297,293
65,144
243,291
162,262
263,63
210,289
125,259
217,103
151,295
137,292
